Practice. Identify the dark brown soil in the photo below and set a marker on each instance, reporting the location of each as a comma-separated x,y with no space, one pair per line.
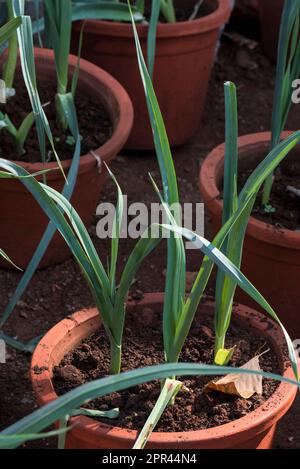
94,124
56,292
284,206
143,346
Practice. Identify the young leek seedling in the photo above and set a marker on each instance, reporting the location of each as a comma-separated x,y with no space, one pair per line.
18,135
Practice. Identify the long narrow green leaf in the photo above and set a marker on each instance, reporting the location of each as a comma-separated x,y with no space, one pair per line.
12,57
24,130
9,28
117,225
232,271
76,72
28,69
59,18
5,256
168,392
151,41
67,192
105,11
176,264
225,287
16,440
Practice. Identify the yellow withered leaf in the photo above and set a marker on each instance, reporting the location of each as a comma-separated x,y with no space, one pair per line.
242,385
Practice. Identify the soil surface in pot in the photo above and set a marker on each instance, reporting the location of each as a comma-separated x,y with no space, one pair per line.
193,409
284,207
59,291
94,124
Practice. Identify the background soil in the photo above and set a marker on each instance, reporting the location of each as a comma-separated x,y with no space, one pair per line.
59,291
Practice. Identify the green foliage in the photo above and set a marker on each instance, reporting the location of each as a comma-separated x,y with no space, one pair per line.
287,70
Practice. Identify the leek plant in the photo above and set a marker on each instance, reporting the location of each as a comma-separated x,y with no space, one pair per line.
179,311
288,70
29,427
67,107
26,51
18,135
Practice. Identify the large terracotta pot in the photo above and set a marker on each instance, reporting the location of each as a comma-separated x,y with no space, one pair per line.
184,57
271,256
255,430
22,220
270,16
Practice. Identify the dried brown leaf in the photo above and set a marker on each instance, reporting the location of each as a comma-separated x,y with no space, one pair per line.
242,385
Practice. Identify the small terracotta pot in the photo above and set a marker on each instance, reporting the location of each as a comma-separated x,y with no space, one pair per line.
22,220
271,256
255,430
185,54
270,16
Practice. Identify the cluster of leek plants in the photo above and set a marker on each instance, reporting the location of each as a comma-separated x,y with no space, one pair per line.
22,26
57,26
179,311
21,41
288,70
29,427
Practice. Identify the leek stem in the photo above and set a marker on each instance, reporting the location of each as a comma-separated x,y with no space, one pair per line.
267,190
12,57
167,8
115,358
219,344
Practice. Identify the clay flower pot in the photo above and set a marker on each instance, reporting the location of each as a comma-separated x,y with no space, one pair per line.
185,54
22,221
255,430
271,256
270,16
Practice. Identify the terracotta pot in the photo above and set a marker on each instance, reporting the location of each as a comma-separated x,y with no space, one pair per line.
255,430
271,256
22,221
270,16
184,58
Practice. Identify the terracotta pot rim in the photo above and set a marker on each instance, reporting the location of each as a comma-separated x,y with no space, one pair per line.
183,28
122,125
258,420
210,192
